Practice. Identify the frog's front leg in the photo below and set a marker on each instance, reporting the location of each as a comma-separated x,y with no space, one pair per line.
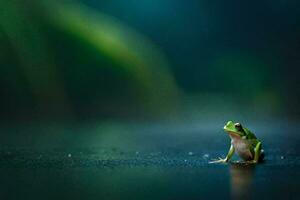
229,155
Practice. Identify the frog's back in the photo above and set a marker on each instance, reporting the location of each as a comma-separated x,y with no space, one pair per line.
250,135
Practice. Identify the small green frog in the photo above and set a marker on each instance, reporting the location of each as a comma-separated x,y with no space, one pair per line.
244,143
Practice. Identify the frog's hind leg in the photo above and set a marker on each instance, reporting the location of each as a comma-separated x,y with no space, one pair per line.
258,152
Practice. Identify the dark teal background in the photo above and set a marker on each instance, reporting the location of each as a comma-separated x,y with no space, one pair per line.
193,53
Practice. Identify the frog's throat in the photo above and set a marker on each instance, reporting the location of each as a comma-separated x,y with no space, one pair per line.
233,134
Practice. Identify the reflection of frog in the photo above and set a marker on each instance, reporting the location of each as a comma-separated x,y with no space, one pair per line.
241,180
244,143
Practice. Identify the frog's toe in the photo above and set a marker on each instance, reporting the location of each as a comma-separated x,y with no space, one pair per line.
219,160
251,162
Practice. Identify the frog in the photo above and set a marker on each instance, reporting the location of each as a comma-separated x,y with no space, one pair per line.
244,143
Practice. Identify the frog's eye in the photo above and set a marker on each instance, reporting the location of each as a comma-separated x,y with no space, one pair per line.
238,126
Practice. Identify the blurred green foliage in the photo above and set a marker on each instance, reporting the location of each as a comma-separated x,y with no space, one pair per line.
63,57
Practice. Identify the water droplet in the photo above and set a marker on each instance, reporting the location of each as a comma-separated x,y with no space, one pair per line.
206,155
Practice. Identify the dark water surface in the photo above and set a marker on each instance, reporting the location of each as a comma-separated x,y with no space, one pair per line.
121,161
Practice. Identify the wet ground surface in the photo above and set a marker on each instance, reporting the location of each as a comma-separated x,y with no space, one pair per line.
144,162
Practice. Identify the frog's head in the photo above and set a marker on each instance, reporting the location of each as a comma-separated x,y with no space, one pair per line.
235,130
